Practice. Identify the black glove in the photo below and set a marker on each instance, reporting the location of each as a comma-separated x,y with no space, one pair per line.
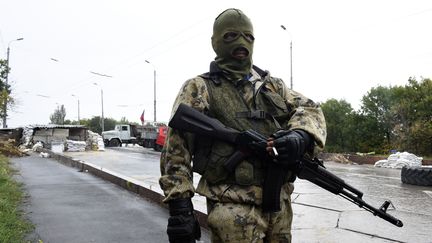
290,145
183,227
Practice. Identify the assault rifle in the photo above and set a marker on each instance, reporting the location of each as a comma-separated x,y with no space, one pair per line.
250,143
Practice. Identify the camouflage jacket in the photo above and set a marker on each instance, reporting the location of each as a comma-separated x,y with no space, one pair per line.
176,178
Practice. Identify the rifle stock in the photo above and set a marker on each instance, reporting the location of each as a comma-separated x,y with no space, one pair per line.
190,120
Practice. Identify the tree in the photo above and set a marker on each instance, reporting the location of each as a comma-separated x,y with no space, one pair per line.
413,117
71,122
364,133
6,100
4,70
110,123
378,103
58,117
337,115
124,120
350,131
94,124
403,115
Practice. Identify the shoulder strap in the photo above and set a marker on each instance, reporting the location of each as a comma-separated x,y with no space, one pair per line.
261,72
213,74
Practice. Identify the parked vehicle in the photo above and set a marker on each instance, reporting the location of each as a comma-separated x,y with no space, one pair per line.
160,139
148,136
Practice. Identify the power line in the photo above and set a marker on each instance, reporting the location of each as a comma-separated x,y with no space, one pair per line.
141,53
100,74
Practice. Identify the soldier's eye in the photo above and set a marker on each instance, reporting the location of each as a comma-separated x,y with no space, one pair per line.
249,37
231,36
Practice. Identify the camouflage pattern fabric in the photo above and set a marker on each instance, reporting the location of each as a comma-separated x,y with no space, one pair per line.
235,214
176,174
231,222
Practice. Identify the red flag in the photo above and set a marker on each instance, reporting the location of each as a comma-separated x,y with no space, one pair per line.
142,117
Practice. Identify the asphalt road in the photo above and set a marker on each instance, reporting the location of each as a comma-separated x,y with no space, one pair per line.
319,216
68,206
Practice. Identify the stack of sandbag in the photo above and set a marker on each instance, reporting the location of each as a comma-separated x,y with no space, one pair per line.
399,160
27,136
100,142
95,141
75,146
58,146
37,145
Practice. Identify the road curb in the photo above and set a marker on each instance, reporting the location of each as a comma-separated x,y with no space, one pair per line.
128,185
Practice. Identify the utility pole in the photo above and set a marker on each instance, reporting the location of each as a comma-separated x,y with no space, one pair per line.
78,108
107,76
154,89
6,82
102,120
291,76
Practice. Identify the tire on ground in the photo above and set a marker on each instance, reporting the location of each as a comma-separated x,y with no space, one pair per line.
414,175
114,142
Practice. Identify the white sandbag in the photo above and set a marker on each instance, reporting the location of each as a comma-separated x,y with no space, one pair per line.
399,160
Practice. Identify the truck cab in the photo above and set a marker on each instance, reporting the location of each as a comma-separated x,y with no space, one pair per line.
160,140
122,133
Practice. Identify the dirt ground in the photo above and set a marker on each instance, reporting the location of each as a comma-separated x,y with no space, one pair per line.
8,148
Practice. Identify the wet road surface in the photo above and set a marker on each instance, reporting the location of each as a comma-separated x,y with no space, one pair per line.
68,206
319,216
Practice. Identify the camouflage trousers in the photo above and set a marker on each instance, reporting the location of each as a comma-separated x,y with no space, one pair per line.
231,222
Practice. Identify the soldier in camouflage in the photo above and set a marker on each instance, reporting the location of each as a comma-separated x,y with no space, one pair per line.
241,96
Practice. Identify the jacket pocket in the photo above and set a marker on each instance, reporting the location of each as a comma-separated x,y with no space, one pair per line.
215,171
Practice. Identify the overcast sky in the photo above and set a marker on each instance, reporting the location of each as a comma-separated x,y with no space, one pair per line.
341,49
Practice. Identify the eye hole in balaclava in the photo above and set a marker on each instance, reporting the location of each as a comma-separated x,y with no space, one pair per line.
233,35
232,42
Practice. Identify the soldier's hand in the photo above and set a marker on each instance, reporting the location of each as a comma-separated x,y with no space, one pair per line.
288,146
183,227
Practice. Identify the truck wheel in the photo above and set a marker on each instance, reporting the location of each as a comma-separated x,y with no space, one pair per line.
114,143
414,175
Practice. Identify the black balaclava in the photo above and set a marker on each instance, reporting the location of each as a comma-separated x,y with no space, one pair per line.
233,33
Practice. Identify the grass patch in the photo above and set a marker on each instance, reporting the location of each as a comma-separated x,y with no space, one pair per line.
13,226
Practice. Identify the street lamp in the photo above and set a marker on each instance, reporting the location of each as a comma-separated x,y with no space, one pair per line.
102,122
291,78
107,76
6,80
154,89
78,108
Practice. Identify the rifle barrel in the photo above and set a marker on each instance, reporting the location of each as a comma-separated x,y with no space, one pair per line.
375,211
188,119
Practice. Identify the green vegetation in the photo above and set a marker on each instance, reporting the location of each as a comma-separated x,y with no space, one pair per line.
13,227
58,117
94,124
5,90
390,118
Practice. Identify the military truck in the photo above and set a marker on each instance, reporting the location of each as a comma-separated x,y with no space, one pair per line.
122,134
148,136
